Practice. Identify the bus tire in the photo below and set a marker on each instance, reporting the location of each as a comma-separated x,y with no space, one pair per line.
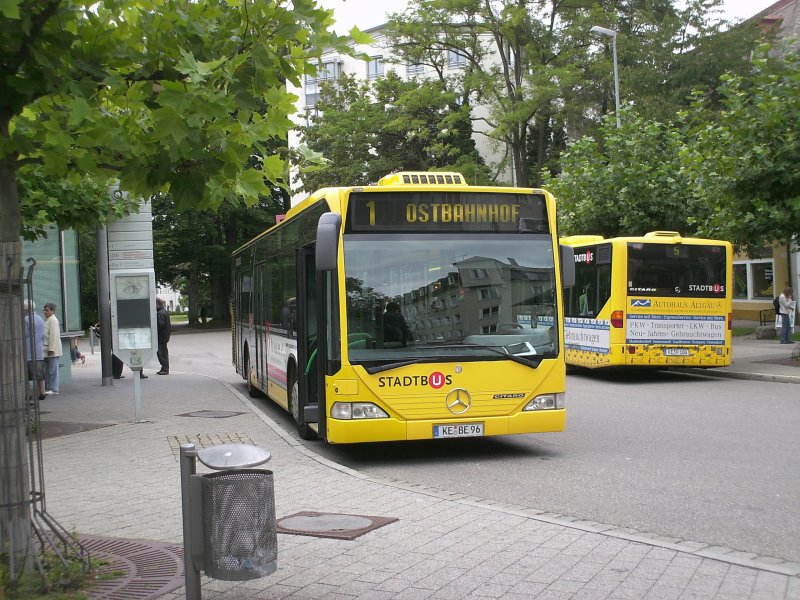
303,430
252,390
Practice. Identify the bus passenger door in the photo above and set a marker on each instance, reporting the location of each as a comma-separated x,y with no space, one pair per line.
309,364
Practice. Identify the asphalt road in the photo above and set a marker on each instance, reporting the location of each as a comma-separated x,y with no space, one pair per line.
702,459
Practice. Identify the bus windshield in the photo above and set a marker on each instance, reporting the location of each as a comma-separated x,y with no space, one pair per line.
676,270
420,297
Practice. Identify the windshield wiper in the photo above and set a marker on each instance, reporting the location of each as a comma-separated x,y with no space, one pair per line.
394,365
496,349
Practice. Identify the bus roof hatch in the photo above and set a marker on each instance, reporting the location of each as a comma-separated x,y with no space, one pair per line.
420,178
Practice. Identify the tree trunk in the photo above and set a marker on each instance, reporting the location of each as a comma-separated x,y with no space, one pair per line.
194,293
15,519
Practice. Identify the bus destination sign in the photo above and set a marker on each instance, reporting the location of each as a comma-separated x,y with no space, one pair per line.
439,211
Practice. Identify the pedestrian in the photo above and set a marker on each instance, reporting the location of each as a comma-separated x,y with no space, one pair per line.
164,331
395,328
35,359
75,352
52,349
787,305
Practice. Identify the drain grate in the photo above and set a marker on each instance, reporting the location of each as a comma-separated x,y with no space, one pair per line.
146,569
212,414
51,429
331,525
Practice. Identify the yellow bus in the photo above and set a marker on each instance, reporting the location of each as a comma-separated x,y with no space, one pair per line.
656,300
419,307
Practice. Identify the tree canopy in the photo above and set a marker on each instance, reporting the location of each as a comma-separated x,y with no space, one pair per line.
743,162
178,97
367,129
539,76
725,171
627,182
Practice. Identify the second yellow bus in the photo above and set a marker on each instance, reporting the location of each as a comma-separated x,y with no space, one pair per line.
656,300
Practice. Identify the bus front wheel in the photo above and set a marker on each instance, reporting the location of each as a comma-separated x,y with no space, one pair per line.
251,389
303,428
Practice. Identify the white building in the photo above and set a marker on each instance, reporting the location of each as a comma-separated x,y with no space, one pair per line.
171,298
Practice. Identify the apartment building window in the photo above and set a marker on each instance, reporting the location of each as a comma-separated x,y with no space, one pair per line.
489,311
488,293
415,69
329,71
456,60
375,67
753,279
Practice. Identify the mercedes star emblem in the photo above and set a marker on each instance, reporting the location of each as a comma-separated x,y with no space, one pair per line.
458,401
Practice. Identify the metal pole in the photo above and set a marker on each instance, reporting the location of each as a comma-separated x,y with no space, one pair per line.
191,574
616,75
137,394
104,304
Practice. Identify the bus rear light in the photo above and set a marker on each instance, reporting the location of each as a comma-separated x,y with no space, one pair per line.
730,321
357,410
546,402
617,319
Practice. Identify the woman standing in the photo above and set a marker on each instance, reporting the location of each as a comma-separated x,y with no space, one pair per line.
52,348
787,304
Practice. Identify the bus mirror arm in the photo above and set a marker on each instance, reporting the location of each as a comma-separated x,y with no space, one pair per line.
567,266
330,224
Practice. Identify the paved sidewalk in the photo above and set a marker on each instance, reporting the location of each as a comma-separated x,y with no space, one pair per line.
122,480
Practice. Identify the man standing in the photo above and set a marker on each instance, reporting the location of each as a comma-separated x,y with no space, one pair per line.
164,331
36,358
52,349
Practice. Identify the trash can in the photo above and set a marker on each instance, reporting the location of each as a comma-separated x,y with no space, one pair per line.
230,529
240,536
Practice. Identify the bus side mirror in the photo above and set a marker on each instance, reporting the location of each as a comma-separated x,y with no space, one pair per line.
567,266
328,241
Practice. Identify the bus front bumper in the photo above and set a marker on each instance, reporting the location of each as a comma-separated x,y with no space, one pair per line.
341,431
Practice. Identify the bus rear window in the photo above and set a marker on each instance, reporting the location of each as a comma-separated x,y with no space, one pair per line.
676,270
439,211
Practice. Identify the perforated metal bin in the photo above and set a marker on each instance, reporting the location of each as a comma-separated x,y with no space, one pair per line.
239,530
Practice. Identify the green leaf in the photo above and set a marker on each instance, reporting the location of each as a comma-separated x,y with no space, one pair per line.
10,8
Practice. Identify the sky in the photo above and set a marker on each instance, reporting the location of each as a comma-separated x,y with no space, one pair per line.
370,13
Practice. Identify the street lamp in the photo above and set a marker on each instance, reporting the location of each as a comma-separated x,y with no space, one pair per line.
603,32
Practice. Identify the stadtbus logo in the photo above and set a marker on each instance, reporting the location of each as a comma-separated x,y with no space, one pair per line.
715,288
436,380
585,257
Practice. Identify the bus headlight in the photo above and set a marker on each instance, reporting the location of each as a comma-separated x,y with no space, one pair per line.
546,402
357,410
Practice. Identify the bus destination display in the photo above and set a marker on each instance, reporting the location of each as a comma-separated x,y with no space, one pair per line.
446,212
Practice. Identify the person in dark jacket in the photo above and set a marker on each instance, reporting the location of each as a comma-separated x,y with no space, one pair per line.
395,328
164,331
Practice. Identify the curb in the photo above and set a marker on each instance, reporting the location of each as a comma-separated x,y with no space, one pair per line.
742,375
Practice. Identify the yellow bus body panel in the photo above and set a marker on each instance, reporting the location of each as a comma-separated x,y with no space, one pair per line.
499,390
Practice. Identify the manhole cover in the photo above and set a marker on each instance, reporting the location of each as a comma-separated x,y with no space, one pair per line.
331,525
212,414
56,428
